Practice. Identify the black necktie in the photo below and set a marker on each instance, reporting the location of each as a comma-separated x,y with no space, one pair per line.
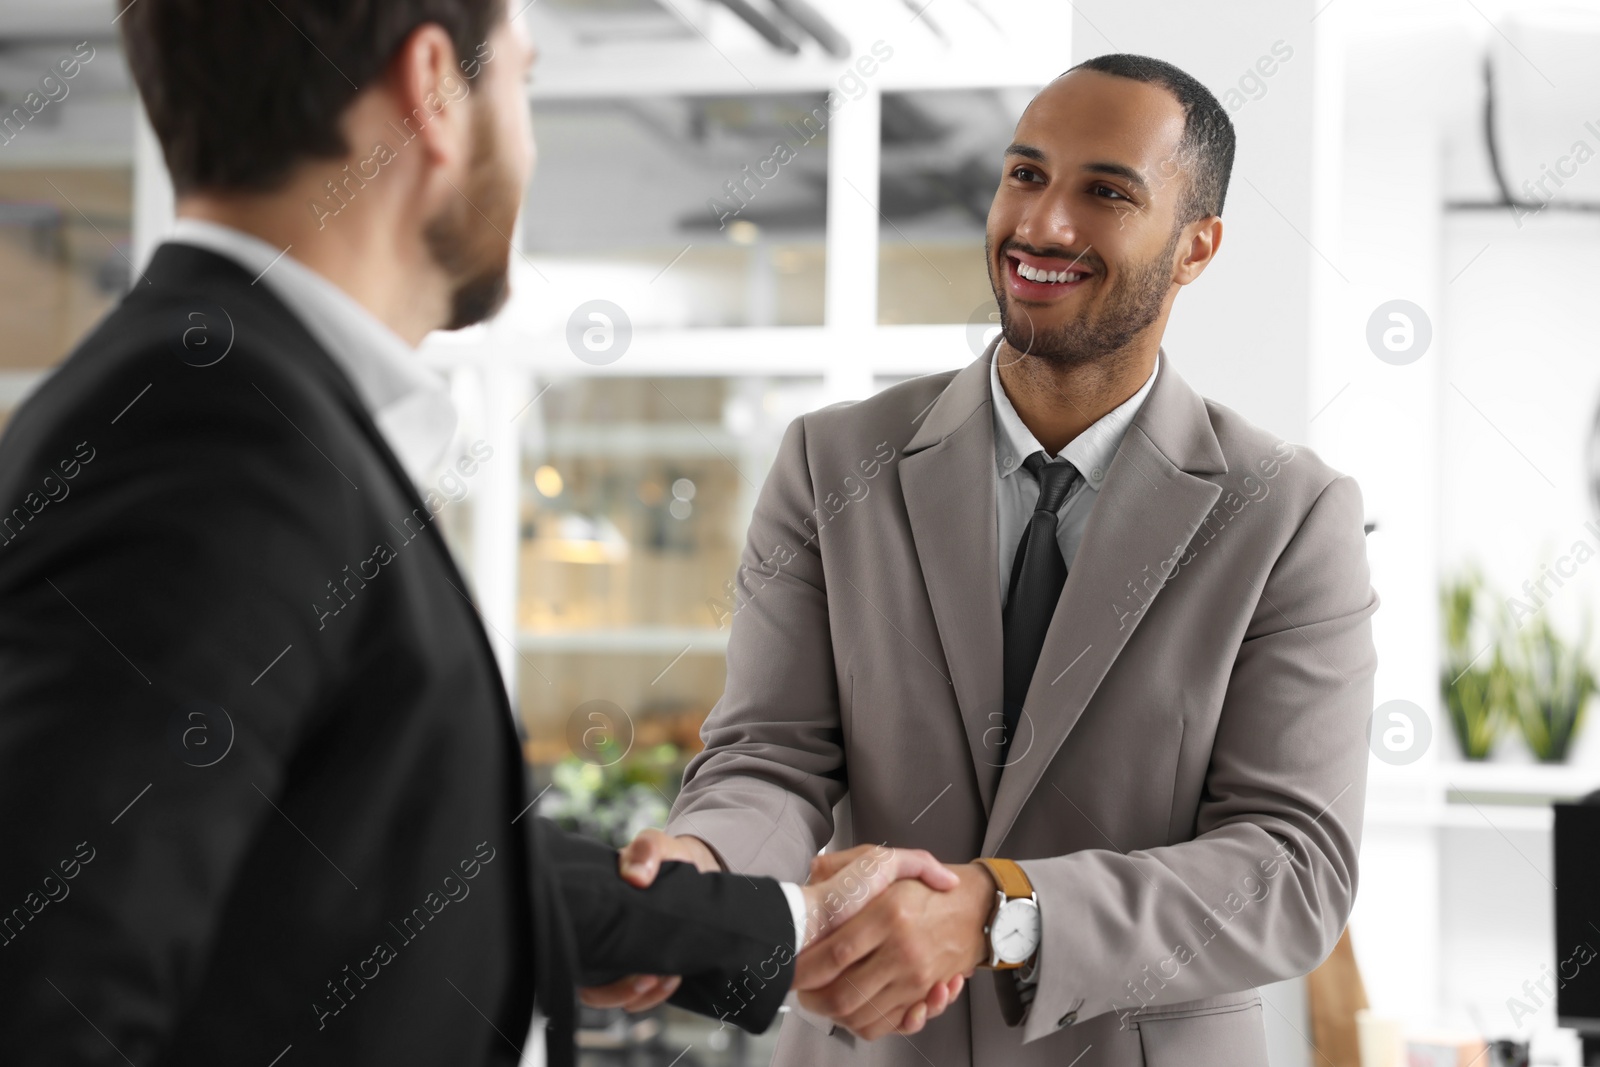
1037,574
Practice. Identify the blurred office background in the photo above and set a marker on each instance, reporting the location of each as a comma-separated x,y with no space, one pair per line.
684,287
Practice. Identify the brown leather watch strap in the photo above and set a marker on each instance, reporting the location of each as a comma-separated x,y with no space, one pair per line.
1010,877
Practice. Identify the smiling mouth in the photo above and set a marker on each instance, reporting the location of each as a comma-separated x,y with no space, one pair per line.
1030,281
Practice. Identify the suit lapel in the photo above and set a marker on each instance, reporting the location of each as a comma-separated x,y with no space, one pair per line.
947,476
1147,511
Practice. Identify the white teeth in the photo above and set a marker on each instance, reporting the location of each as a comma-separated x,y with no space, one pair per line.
1033,274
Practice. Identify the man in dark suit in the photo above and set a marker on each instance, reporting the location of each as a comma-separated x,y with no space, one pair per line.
261,787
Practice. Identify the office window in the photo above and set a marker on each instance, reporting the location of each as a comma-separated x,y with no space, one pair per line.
685,211
941,158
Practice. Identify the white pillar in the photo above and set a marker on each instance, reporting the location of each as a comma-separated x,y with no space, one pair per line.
851,293
152,190
496,522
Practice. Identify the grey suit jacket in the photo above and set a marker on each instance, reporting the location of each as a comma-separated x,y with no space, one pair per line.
1186,787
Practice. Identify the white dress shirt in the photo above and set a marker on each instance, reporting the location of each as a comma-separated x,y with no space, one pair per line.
1017,495
1017,491
410,404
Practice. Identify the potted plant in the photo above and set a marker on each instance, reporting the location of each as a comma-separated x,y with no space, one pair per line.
1475,688
1550,687
613,801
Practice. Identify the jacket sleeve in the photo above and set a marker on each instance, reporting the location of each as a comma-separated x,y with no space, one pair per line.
1263,891
762,792
730,937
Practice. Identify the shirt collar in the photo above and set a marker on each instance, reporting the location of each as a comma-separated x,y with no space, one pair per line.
409,402
1091,451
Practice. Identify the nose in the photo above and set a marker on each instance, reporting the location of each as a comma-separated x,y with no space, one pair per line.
1047,223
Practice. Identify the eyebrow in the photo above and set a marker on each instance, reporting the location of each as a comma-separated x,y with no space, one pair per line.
1118,170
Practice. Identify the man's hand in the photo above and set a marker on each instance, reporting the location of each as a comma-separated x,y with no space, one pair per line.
870,974
639,863
645,854
843,883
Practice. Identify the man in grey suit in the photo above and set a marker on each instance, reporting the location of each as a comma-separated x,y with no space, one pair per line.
1058,612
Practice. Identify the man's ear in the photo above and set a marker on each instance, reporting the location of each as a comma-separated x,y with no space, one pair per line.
429,91
1205,237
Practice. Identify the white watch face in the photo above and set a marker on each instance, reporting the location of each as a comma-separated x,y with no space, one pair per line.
1014,934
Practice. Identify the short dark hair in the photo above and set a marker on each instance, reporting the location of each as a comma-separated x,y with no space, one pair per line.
240,92
1208,139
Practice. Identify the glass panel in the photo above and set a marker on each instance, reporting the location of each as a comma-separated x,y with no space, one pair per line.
942,152
637,494
725,230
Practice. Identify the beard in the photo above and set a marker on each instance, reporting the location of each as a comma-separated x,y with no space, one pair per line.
1130,307
470,238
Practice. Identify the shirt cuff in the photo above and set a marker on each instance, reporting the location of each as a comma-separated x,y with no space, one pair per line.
1028,973
797,911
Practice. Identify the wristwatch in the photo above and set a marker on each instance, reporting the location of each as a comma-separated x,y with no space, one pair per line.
1013,928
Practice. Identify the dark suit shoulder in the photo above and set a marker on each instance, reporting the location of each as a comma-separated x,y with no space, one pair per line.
190,444
202,345
196,382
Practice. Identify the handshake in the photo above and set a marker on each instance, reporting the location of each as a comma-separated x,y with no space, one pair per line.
890,936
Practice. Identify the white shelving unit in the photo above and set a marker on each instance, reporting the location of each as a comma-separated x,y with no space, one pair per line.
636,640
1476,796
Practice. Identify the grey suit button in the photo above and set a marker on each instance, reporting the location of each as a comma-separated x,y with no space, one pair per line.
1067,1020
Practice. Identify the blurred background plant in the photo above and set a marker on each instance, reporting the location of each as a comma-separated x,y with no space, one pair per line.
613,798
1550,688
1475,687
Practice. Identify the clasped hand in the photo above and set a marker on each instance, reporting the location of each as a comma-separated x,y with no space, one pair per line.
891,934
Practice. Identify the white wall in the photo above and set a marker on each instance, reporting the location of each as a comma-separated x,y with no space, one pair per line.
1239,333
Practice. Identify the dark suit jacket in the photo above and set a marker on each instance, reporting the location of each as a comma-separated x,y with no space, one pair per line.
260,784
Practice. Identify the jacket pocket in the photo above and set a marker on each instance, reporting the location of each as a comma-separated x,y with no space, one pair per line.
1228,1035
